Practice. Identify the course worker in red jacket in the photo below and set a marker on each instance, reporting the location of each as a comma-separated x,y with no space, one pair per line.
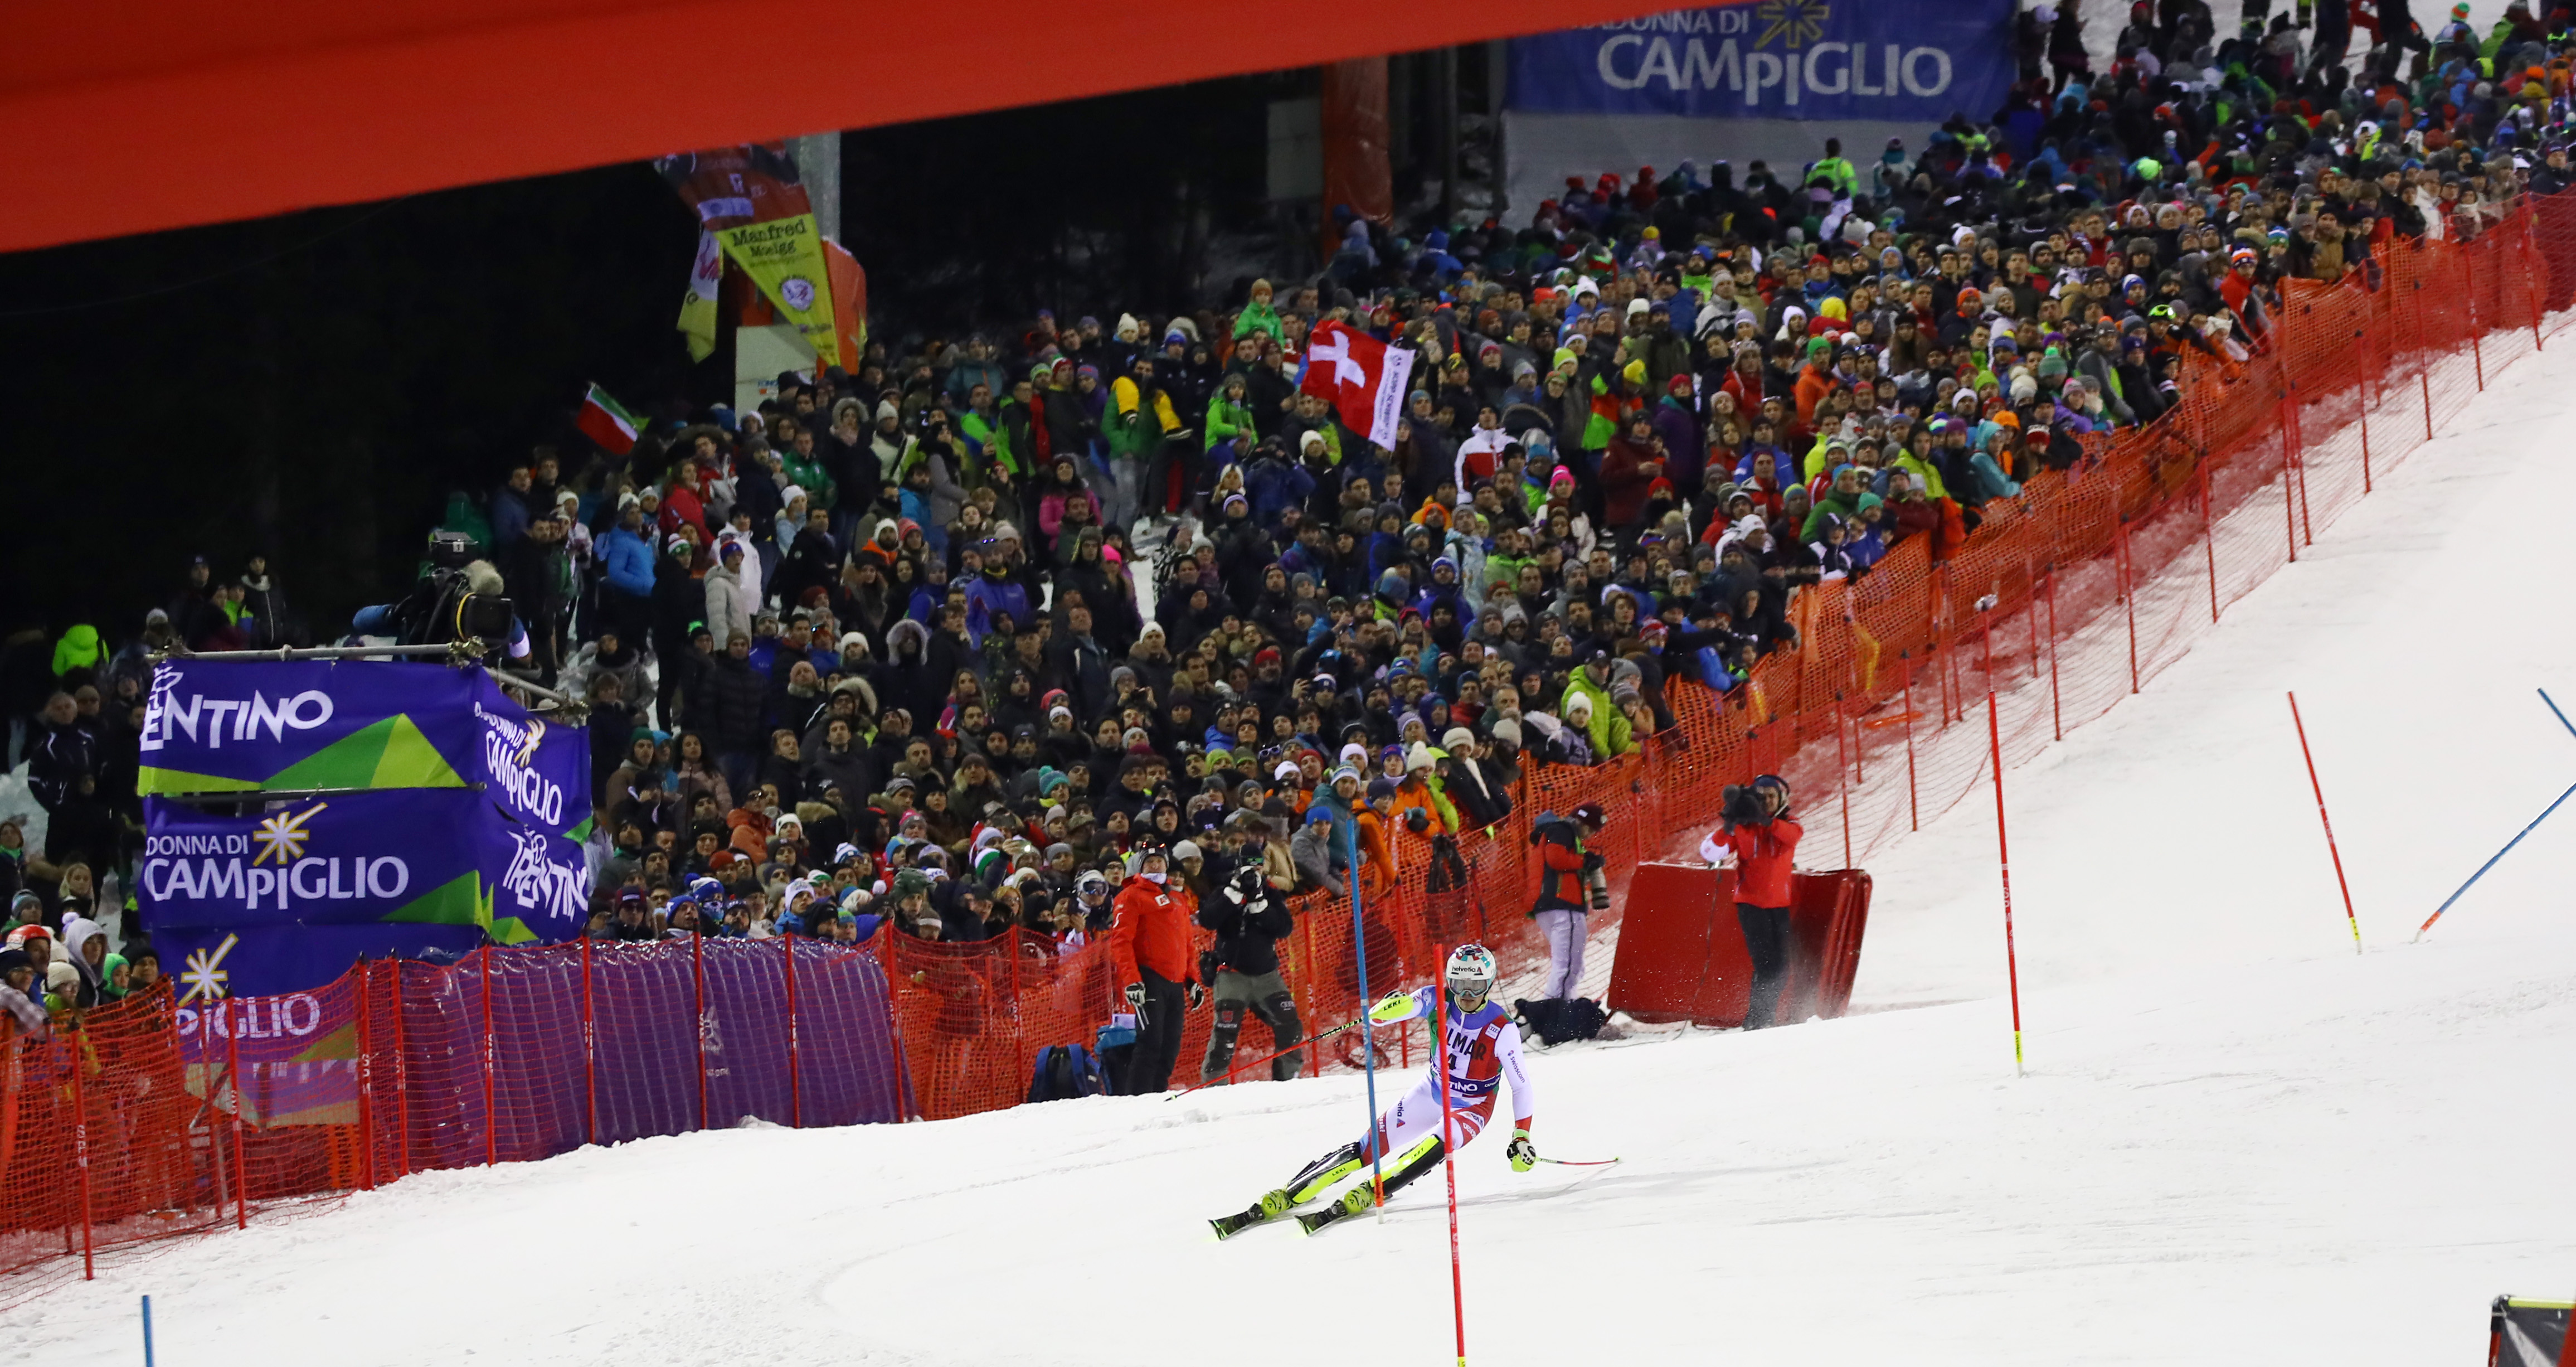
1764,838
1149,942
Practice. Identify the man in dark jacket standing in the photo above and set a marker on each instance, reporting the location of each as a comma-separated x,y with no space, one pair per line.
737,721
1764,838
1150,945
1249,919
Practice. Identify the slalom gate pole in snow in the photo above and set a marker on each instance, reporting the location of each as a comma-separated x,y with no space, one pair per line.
147,1331
2328,822
2491,863
1309,1042
2003,847
1449,1156
1368,1029
2553,707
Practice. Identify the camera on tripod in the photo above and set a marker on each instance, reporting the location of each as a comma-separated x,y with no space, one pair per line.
459,598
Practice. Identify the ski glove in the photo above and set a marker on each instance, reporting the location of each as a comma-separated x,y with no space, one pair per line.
1136,1002
1394,1006
1524,1153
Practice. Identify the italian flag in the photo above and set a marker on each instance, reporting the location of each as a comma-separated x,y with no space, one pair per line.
606,421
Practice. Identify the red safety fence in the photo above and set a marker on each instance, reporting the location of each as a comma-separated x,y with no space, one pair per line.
150,1119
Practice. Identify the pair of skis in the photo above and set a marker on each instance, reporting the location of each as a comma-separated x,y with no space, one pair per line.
1227,1226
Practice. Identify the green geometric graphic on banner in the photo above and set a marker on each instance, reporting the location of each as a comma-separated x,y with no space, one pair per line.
150,780
389,754
457,902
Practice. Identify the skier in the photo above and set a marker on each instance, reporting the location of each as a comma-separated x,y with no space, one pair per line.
1481,1048
1763,837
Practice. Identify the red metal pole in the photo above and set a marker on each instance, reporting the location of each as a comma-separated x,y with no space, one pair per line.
2477,349
366,1075
2003,864
698,981
80,1152
1913,807
2209,536
2129,598
2328,823
2056,709
491,1117
589,1053
1449,1160
1842,778
2531,295
402,1077
795,1083
232,1075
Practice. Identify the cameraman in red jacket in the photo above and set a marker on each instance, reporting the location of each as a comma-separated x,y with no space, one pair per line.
1759,829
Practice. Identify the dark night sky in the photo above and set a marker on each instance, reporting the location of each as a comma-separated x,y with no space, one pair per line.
313,385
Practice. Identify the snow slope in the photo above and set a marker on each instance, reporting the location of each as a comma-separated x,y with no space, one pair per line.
2238,1141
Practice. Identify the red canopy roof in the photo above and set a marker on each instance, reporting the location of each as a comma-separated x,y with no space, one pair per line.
145,114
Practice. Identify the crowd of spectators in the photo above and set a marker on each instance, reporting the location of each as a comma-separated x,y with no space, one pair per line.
946,638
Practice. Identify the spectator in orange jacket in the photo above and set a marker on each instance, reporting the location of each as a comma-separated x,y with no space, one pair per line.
1377,851
1149,942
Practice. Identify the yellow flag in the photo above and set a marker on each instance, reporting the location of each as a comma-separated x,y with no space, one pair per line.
698,306
784,256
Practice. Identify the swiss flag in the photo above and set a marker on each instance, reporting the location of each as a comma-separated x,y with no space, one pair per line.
1359,375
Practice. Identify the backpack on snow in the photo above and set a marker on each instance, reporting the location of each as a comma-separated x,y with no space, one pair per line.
1555,1022
1065,1071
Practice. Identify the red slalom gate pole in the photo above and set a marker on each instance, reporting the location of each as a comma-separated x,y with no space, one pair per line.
2325,821
491,1116
232,1075
1449,1161
1842,778
589,1053
2003,863
795,1083
698,989
1913,809
80,1153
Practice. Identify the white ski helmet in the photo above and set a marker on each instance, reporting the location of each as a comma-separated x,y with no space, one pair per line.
1471,971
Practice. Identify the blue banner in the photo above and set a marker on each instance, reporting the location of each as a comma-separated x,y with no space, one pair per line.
1777,59
221,726
286,899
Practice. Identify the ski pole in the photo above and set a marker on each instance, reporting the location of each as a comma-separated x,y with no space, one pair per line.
1278,1053
1580,1162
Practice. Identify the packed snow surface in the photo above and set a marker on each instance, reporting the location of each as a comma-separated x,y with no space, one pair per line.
2238,1141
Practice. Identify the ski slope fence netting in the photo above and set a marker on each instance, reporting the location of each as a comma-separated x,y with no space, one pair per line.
154,1117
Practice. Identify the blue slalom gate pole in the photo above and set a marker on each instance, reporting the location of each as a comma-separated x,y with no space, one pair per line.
2491,863
2508,845
1368,1027
147,1331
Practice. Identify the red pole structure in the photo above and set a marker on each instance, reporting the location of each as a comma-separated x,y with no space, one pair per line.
1449,1161
589,1053
2328,823
698,987
2056,709
2003,864
2289,491
2129,597
1913,808
232,1075
1842,778
2209,533
2531,295
366,1075
402,1077
491,1117
795,1083
80,1152
2477,349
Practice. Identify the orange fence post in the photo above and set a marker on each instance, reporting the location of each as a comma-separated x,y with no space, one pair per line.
2128,595
402,1076
2477,349
589,1054
2056,707
80,1152
698,994
1842,778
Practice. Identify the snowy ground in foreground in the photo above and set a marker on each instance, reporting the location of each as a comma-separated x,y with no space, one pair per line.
2238,1143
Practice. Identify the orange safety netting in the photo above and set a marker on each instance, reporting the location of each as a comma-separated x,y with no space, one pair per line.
151,1119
